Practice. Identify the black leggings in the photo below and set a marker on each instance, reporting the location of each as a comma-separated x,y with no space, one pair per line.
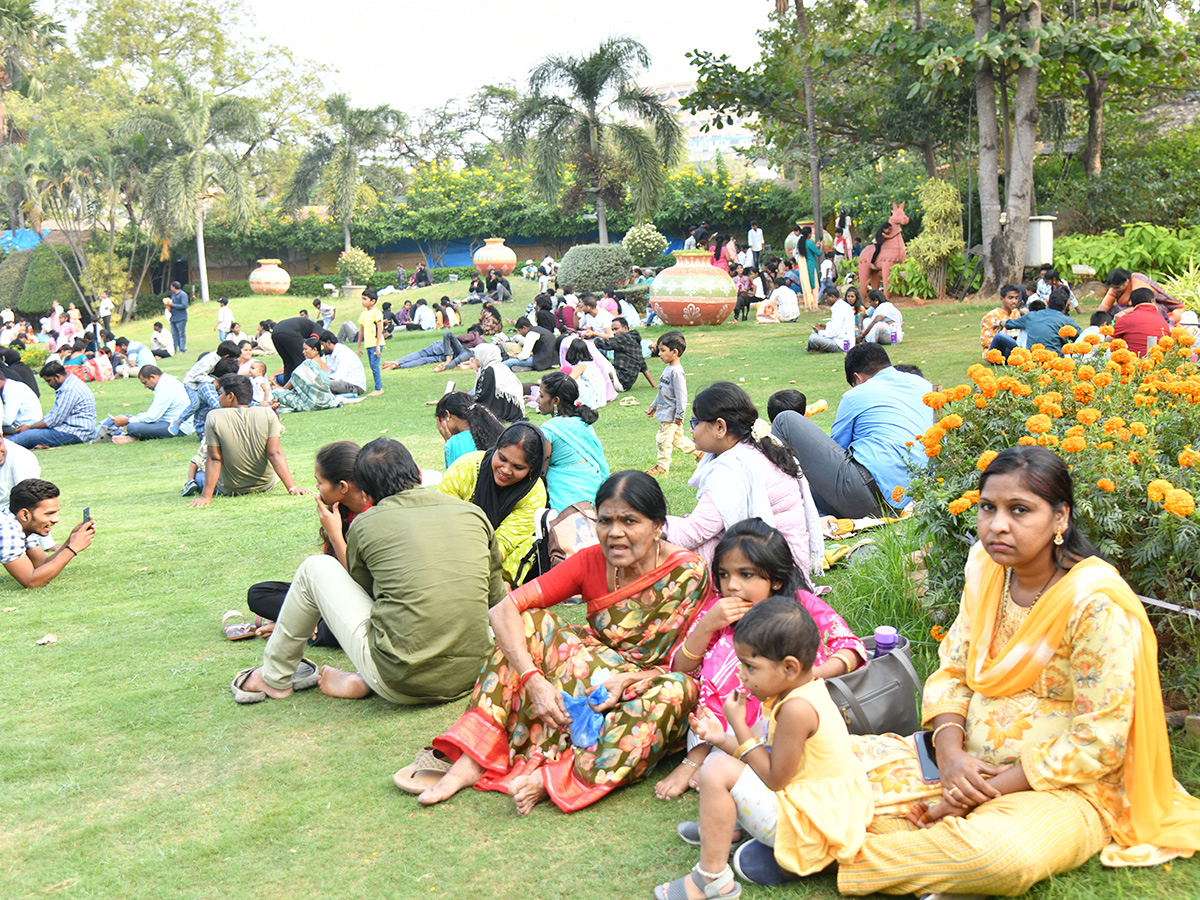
266,599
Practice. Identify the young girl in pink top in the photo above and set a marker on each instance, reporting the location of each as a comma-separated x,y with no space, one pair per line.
752,562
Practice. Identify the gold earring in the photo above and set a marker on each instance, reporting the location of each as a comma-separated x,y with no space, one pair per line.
1058,538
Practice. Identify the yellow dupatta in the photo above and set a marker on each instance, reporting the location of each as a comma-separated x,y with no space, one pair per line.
1158,814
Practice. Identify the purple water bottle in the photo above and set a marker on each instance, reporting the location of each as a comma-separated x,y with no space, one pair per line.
886,639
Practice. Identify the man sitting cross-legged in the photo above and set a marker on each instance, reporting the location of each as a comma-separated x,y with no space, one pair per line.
32,511
415,629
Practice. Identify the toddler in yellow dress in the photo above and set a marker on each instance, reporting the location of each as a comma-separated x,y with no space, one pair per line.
800,790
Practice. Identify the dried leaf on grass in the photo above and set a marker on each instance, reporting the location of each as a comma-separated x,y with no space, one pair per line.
49,639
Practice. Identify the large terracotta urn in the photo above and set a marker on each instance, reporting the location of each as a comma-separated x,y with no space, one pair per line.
270,278
494,255
693,291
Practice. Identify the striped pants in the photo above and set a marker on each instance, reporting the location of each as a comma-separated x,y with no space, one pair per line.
1004,847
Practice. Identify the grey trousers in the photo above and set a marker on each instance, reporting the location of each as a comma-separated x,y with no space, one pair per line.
819,343
337,386
841,485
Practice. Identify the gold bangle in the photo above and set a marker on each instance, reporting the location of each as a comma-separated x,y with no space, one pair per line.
746,746
958,725
690,762
683,648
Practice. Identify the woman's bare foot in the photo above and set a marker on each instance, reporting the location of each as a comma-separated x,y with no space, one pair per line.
440,367
264,630
528,791
675,784
254,682
375,393
347,685
462,774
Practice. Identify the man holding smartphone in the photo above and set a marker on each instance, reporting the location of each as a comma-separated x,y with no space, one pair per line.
32,512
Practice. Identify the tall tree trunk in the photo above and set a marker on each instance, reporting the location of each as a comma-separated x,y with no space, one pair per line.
201,259
814,156
346,234
989,156
1018,181
1005,107
1097,85
929,157
601,219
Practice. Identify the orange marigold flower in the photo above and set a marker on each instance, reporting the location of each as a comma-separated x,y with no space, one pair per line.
958,392
1104,445
1022,390
985,459
1048,440
1134,457
1114,424
981,402
1042,355
935,399
1086,373
1038,424
1102,380
1019,356
1075,431
1106,484
1067,331
1165,343
1121,357
1118,344
1088,415
1092,339
1179,502
1139,429
933,451
958,507
1107,330
1157,489
1124,434
1027,441
1084,393
954,420
938,633
1074,445
973,496
1188,458
995,357
898,493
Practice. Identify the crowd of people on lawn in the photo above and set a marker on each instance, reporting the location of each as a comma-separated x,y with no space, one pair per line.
705,633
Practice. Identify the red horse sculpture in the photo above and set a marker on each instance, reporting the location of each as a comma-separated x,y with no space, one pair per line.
886,250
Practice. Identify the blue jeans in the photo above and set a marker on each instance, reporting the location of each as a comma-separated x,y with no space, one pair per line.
1004,344
512,362
325,323
221,334
373,359
149,431
179,335
51,437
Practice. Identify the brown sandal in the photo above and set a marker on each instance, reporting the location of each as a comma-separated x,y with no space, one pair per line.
424,772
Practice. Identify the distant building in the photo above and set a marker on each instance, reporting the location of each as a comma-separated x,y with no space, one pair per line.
703,146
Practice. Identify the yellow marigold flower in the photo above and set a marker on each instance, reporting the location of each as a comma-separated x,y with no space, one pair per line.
1106,484
954,420
958,507
1157,489
1139,429
1048,440
935,399
1027,441
1179,502
1067,331
1074,445
898,493
1188,458
981,402
1107,330
985,459
1038,424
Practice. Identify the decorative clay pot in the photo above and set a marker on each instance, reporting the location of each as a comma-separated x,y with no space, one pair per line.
353,291
693,291
494,255
270,278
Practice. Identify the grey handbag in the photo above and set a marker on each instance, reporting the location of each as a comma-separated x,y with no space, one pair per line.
882,697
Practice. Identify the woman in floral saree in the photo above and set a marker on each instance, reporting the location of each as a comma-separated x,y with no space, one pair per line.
642,595
308,387
1044,758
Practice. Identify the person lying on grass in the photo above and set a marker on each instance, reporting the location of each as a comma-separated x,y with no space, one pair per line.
415,629
32,512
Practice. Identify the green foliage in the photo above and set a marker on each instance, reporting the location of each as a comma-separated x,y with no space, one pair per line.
593,267
869,192
664,261
355,265
910,280
694,194
45,282
106,273
1185,285
941,238
12,276
35,356
1153,249
644,243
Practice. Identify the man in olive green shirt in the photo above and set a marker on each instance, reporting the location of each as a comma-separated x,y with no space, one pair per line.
411,612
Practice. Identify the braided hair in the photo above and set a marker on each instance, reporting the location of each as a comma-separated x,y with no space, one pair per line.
565,390
725,400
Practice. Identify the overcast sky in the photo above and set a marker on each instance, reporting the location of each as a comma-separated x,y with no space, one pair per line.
414,56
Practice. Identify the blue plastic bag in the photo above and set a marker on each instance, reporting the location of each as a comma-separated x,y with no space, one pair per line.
585,721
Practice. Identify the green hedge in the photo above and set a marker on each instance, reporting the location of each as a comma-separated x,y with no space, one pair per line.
12,277
45,282
593,267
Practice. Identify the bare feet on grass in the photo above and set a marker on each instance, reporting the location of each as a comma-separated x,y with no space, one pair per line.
254,682
375,393
675,784
346,685
528,791
462,774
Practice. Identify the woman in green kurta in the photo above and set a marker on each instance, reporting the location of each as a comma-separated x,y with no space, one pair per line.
506,483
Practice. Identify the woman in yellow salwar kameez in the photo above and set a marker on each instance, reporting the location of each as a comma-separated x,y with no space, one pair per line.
1045,759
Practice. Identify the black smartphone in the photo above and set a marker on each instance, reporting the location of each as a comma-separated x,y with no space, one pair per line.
927,756
87,513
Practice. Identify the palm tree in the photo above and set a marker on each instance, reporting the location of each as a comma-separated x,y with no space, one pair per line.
580,124
25,34
196,130
334,163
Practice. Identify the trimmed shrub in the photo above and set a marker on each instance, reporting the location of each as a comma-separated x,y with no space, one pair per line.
45,282
593,267
644,243
355,265
637,294
12,277
664,261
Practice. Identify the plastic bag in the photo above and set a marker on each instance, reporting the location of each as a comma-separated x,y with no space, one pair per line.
585,721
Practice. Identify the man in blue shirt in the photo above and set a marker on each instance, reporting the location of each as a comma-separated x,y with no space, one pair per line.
72,419
1042,326
170,403
854,470
177,304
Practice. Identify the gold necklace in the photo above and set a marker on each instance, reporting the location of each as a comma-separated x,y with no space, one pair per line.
1007,596
617,571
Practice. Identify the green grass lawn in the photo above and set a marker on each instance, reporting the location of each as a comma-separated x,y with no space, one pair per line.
127,771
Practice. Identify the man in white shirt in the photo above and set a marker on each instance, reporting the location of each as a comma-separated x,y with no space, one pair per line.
161,344
105,309
21,404
754,237
16,464
884,324
689,243
346,372
594,321
787,305
838,335
423,316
